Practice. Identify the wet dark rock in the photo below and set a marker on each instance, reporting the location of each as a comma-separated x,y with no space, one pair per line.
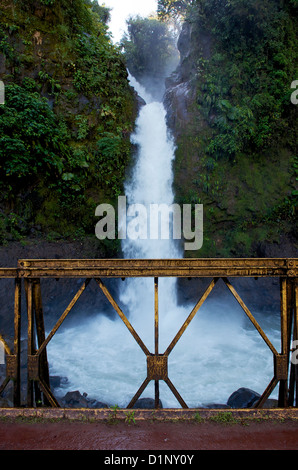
56,381
146,403
75,399
140,101
271,403
243,398
97,404
6,403
184,40
177,100
181,90
212,406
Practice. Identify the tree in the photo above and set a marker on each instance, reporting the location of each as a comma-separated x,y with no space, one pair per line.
150,47
172,8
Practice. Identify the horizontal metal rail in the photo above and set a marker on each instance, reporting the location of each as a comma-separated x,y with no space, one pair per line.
31,271
193,267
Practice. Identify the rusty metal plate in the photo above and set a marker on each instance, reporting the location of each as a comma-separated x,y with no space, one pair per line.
157,367
11,366
281,367
33,367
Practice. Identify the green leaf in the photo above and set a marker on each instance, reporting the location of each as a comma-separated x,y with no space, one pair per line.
67,176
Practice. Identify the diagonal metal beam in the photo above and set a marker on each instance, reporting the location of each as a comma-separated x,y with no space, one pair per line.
63,316
4,384
191,316
139,393
122,316
5,345
266,394
47,392
250,316
175,392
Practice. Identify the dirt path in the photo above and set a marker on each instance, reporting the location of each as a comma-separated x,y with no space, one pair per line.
149,436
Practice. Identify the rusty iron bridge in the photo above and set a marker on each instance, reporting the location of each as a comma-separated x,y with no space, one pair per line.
30,272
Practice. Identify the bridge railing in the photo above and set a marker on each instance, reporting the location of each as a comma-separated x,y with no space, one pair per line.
30,272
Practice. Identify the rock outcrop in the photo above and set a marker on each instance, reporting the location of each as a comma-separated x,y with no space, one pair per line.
180,91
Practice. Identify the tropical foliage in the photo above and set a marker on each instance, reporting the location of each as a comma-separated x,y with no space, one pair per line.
68,114
242,135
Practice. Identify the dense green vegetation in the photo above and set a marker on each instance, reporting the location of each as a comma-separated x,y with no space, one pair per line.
65,125
239,149
69,112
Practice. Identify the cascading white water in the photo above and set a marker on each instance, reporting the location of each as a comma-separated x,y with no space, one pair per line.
151,183
152,178
218,353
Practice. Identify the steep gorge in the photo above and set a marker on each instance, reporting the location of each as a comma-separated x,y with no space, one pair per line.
228,105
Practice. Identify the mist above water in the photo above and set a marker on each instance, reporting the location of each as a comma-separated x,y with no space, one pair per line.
218,353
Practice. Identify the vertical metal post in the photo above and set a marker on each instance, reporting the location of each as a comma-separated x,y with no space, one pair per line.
295,336
30,328
44,368
156,336
156,314
285,311
17,342
293,385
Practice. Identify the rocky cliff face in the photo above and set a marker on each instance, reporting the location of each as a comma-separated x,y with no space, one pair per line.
178,96
180,86
248,201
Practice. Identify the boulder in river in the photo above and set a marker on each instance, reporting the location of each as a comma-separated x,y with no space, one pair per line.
243,398
75,399
146,403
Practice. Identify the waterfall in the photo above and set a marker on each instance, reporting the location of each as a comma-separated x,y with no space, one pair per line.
152,178
213,357
150,183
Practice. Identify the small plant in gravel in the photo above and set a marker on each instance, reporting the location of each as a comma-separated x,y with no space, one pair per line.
130,417
225,417
198,418
113,415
